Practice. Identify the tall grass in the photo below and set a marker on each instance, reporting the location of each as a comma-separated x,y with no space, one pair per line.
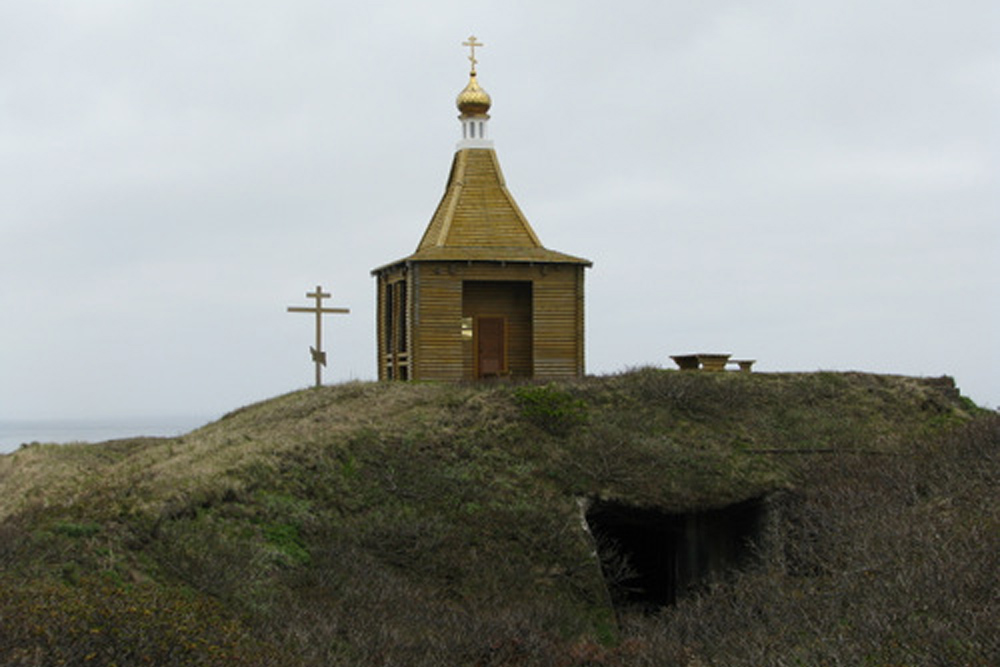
441,524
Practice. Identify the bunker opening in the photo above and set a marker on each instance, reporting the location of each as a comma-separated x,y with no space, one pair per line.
651,559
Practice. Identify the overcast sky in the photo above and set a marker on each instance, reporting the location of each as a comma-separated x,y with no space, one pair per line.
814,185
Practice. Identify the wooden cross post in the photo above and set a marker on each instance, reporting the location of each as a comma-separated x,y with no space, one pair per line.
318,355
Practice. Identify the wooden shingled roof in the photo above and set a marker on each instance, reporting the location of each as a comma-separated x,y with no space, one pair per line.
478,219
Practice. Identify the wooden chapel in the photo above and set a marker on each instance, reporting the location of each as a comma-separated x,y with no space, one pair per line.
480,297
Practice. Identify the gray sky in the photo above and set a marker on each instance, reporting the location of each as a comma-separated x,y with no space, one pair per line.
811,184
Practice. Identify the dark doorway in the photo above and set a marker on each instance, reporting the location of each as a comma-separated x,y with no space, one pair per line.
491,346
651,558
498,318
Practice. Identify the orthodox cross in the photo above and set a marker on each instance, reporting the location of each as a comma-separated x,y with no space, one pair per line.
318,355
472,44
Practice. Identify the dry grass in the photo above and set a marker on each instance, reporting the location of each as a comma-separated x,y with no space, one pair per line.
430,523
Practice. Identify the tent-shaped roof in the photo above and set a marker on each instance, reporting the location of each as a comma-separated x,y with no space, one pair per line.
478,219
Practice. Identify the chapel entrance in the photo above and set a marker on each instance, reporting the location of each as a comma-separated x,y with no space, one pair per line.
491,344
497,325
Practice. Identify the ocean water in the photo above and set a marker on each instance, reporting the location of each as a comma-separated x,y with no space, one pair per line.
15,432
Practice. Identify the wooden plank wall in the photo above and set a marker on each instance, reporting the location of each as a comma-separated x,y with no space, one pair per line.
380,287
558,296
385,282
437,322
439,352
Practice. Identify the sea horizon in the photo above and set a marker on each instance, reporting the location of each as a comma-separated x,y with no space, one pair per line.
17,432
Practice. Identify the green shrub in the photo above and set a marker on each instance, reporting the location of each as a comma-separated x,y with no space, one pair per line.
73,529
286,539
552,409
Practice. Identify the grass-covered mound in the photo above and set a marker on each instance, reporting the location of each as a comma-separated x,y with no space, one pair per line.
445,524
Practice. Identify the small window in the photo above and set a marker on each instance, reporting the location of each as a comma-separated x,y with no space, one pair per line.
467,328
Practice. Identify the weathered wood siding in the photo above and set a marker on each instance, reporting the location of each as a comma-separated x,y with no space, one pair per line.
393,362
438,350
558,323
437,323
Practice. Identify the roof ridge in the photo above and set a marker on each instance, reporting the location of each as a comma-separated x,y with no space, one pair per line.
477,209
513,203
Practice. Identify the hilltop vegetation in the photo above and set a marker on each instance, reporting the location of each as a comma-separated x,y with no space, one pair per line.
394,523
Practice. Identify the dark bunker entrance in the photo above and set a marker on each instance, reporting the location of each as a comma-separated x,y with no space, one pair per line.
650,558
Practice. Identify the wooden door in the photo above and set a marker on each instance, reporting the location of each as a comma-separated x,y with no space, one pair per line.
491,346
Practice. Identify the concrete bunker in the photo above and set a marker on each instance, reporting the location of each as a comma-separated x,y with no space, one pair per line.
651,558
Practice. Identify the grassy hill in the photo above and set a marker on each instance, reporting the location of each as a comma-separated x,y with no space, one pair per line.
496,524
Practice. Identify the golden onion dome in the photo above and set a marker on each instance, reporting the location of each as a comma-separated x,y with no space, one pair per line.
473,101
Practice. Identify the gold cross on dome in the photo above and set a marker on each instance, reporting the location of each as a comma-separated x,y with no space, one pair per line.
472,44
